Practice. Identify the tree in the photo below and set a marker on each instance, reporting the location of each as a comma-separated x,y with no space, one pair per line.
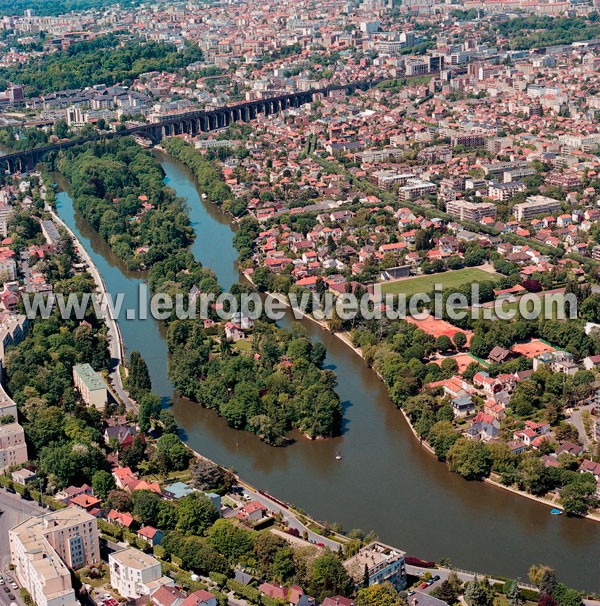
133,455
167,418
206,475
379,595
172,454
328,577
149,408
566,597
119,500
446,592
479,593
578,496
470,458
548,581
460,340
195,514
514,594
443,343
146,506
102,484
536,572
442,437
138,380
230,540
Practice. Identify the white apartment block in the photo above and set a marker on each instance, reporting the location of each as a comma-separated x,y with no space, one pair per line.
535,205
134,573
90,385
470,211
583,142
416,188
43,548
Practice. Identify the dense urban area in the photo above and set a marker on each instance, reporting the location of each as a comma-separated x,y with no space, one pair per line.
376,149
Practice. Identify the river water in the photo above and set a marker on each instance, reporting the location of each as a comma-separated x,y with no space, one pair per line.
386,481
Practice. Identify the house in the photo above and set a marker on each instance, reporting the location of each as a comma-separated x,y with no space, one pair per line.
297,597
200,598
86,502
338,600
124,520
252,512
569,448
167,596
527,436
462,405
233,333
484,427
177,490
516,446
23,476
277,592
151,535
72,491
588,466
591,362
499,355
123,434
420,598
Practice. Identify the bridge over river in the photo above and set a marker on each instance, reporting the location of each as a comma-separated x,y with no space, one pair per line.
191,123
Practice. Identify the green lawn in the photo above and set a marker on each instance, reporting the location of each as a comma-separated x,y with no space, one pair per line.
448,279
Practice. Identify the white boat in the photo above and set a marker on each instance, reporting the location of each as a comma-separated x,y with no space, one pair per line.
338,456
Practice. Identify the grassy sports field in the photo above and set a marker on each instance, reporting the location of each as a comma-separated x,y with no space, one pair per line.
448,279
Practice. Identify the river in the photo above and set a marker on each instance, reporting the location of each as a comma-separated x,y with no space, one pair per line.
386,481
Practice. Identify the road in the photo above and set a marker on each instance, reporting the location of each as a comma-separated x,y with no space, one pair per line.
16,510
115,341
290,518
443,573
575,419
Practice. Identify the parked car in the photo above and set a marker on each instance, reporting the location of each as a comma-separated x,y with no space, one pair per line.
11,596
436,578
6,589
423,585
1,581
14,586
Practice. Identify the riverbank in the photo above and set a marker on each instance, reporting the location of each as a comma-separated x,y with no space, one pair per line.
345,338
115,339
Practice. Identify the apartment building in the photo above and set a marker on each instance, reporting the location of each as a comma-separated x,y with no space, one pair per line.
535,205
13,450
44,548
386,179
467,139
470,211
382,563
498,168
505,191
90,385
134,573
416,188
